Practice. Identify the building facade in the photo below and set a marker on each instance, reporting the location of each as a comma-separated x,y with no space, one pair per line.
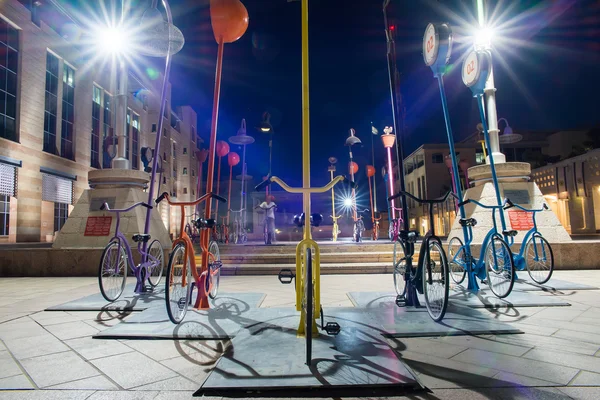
57,122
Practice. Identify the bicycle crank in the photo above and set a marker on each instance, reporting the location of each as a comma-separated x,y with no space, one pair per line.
286,276
331,328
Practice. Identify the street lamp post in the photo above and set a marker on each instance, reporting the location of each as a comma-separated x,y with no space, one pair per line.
388,141
242,139
374,132
351,141
266,127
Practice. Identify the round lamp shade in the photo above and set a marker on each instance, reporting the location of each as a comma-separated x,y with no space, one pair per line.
233,159
370,171
229,20
388,140
353,167
222,148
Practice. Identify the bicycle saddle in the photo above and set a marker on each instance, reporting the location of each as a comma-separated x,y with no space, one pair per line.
510,233
141,237
202,223
315,220
467,222
408,236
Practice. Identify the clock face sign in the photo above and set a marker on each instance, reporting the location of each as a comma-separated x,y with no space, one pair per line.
430,45
471,69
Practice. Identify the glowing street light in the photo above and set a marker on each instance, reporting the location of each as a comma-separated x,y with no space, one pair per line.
351,141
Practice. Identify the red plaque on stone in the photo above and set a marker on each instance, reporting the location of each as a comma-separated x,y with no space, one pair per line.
520,220
98,226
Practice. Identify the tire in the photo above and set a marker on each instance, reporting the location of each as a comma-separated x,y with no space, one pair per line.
155,250
456,257
213,277
236,232
112,284
539,273
308,304
500,276
435,291
178,297
399,268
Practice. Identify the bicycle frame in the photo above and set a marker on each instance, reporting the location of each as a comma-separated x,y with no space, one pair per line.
189,255
520,263
146,260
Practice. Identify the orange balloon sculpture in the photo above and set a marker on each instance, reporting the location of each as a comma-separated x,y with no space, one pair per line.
353,167
370,171
233,159
229,19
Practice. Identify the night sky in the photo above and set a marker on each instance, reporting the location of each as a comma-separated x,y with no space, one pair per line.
546,80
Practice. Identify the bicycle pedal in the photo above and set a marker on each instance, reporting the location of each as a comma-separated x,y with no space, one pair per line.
286,276
400,301
332,328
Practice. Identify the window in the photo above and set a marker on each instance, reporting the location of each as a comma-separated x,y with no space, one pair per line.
51,100
165,156
419,188
127,129
61,213
479,158
184,190
68,113
193,134
164,180
423,192
193,192
437,158
135,141
184,171
107,129
153,127
193,173
174,155
4,214
95,145
164,132
185,150
9,62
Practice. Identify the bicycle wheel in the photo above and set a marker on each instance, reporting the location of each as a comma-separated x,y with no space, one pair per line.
500,267
308,304
435,280
458,264
399,268
539,259
176,295
112,272
155,250
236,232
214,270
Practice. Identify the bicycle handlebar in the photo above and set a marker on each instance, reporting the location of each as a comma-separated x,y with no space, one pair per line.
165,195
423,201
105,206
510,204
504,204
290,189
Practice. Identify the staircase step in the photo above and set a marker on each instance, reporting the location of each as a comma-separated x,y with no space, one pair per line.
326,268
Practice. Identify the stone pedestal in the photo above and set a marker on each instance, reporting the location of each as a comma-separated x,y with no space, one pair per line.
120,189
514,183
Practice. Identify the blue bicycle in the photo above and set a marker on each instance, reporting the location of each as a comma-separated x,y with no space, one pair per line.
535,253
495,265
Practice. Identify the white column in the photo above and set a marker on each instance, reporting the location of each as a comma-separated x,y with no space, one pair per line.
120,162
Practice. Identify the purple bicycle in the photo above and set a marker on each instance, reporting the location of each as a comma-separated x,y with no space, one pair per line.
396,225
117,256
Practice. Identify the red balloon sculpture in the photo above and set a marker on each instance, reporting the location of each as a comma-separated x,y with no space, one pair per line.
370,171
229,20
222,151
353,167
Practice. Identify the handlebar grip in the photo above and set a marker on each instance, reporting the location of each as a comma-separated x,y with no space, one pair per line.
349,183
545,206
148,206
263,184
103,206
508,204
218,198
462,203
395,196
161,197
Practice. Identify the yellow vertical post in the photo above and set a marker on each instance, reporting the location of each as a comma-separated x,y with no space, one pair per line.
332,196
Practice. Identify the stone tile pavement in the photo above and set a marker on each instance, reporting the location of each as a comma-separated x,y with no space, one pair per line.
51,355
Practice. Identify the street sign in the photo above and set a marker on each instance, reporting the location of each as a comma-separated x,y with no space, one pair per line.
437,46
97,226
520,220
476,69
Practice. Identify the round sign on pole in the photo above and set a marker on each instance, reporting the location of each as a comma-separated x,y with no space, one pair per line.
476,69
437,45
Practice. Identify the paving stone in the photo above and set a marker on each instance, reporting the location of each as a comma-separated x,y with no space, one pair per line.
132,369
579,336
581,393
173,395
585,378
426,346
71,330
517,365
157,350
96,348
123,395
15,382
508,379
95,382
593,329
549,342
35,346
52,369
587,320
589,363
46,395
8,366
559,313
487,343
21,328
46,318
191,370
517,393
175,384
